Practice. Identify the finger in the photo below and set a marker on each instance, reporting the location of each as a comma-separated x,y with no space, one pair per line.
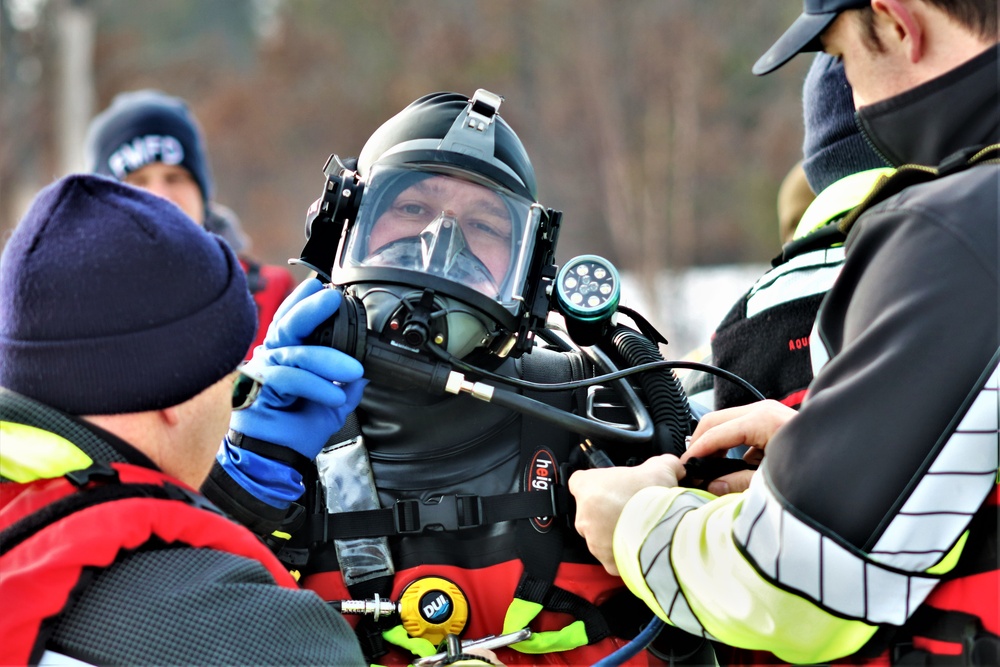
735,482
285,384
330,364
306,288
302,318
671,469
354,390
752,425
713,419
754,456
741,431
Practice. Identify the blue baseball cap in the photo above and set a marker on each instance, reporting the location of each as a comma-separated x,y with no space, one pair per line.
803,35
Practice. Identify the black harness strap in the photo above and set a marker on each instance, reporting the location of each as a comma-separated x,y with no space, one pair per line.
541,552
455,512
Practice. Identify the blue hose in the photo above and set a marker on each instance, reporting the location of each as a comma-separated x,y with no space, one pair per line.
641,641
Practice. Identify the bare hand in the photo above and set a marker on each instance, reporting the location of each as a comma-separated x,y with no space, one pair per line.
719,431
601,494
484,653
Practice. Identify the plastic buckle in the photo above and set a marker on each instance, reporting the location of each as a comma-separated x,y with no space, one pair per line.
98,472
412,516
483,108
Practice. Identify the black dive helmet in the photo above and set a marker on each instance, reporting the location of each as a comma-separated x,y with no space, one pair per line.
437,236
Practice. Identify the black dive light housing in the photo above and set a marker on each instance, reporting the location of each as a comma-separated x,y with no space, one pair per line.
587,292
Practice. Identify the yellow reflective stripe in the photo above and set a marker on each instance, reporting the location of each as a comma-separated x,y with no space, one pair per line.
948,563
727,595
739,607
838,198
31,453
641,515
572,636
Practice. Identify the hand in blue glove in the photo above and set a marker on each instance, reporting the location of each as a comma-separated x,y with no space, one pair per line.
308,392
308,389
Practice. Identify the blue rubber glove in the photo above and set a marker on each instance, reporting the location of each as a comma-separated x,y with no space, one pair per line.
308,392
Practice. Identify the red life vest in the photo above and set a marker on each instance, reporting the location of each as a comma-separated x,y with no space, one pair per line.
55,533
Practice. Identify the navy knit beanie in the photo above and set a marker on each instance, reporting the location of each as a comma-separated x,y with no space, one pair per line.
113,301
833,146
145,126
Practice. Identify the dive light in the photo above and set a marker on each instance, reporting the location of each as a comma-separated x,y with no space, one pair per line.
587,291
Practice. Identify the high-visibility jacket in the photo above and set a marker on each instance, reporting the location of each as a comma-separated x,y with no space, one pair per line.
875,507
764,338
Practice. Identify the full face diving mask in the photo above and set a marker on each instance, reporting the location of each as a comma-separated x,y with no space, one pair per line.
467,242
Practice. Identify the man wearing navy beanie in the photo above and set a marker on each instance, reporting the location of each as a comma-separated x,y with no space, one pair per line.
152,140
122,326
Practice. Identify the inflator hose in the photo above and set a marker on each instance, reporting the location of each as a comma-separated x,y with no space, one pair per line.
665,397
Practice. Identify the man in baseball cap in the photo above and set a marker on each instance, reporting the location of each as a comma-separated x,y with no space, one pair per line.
869,531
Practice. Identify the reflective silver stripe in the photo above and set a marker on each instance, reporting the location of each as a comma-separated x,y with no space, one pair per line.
659,575
839,578
870,587
953,489
808,274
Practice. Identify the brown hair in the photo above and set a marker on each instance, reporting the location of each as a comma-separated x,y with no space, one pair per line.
978,16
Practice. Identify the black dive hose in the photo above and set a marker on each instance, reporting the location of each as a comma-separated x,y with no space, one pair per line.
667,401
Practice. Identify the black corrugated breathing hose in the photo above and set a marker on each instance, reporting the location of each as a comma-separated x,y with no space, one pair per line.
665,397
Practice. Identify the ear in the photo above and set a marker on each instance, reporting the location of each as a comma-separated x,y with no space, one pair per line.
906,28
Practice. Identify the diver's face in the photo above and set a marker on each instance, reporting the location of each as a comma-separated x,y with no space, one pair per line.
481,214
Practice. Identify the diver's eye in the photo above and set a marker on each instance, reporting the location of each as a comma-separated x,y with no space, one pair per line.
412,210
490,229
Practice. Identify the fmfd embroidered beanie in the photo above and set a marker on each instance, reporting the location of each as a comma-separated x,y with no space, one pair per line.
144,126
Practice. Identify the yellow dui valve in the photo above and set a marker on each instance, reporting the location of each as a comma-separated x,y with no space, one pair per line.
432,607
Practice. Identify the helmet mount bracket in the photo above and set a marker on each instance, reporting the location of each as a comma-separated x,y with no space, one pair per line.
328,217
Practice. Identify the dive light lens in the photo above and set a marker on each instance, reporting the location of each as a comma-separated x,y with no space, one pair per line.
588,288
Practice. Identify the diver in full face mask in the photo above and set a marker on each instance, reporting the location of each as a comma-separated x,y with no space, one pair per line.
454,510
447,227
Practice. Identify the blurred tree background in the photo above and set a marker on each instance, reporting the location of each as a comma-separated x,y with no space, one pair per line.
641,116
